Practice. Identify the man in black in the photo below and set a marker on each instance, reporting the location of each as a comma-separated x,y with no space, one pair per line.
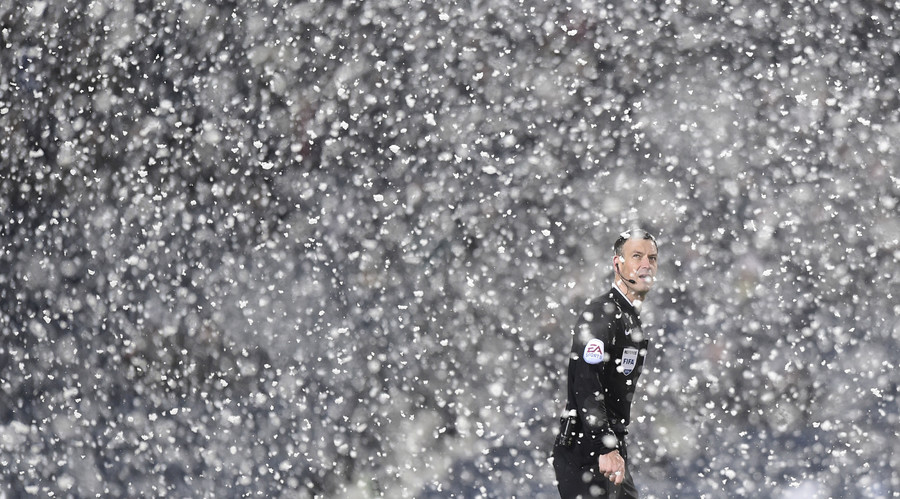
608,354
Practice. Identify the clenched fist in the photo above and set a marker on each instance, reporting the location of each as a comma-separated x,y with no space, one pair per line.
612,466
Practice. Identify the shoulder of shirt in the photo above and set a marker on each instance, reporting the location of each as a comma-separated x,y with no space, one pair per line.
601,300
603,305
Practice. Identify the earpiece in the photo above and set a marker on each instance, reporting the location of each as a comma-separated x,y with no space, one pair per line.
632,281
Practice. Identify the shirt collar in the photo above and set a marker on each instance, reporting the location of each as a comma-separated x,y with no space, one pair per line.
635,306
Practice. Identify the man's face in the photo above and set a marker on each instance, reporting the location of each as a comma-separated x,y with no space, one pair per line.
638,262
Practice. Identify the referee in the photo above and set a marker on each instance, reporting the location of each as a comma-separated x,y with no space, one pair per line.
608,351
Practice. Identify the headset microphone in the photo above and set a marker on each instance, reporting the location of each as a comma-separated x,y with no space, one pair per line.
632,281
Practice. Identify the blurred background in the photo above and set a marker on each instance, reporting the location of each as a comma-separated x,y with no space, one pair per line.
337,248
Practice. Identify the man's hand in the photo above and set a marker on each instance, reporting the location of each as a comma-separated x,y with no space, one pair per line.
612,466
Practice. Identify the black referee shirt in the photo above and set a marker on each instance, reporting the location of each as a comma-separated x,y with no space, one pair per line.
608,352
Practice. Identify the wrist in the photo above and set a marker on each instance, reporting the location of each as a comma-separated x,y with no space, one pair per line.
609,443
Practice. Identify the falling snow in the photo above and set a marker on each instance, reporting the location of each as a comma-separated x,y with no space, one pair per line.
337,248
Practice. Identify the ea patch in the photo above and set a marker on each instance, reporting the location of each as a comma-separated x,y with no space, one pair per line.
629,360
593,352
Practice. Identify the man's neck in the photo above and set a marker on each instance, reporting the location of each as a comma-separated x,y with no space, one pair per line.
633,299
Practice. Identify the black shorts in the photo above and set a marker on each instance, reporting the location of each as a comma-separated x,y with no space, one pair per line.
578,476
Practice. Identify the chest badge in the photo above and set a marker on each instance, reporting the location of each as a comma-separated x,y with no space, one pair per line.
629,360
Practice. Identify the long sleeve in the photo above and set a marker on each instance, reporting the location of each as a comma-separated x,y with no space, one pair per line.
593,336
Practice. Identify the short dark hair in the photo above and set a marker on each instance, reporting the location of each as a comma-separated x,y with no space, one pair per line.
632,234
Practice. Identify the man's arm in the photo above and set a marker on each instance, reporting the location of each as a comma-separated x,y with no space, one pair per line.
592,336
